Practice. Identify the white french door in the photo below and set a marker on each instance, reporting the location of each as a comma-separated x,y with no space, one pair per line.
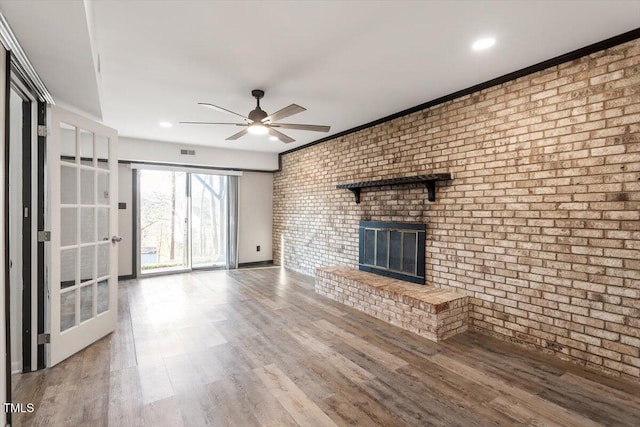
82,169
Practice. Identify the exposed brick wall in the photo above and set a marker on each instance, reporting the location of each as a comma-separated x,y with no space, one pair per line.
540,225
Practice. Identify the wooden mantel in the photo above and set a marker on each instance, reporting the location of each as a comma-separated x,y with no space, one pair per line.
428,180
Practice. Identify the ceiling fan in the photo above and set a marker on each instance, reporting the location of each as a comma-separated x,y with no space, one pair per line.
259,122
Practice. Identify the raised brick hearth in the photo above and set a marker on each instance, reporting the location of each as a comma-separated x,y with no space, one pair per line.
428,311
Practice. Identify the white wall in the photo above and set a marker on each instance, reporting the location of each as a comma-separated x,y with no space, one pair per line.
125,223
255,212
165,152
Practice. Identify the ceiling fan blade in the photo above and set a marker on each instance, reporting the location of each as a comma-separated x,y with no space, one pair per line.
212,123
240,134
281,136
222,110
316,128
285,112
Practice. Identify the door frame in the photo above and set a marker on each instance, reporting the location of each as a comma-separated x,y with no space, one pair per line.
41,171
22,78
7,276
29,308
17,60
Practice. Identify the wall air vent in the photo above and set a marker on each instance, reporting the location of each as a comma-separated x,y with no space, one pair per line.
188,152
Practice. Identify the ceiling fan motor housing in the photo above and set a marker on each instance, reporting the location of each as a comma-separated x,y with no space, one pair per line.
257,115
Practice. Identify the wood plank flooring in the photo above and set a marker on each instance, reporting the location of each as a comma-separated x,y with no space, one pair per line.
258,347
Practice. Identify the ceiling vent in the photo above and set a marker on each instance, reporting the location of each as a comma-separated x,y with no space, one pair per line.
188,152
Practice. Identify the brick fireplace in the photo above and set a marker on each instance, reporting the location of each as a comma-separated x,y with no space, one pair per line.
539,227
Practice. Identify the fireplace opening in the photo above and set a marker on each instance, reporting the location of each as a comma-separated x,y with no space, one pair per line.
393,249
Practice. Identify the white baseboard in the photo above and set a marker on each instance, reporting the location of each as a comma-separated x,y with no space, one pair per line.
16,367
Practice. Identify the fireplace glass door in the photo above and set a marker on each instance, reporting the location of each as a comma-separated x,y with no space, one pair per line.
393,249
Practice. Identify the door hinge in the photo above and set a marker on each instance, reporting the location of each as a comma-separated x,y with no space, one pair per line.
42,130
44,338
44,236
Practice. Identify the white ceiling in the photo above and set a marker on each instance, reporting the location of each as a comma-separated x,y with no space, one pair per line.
347,62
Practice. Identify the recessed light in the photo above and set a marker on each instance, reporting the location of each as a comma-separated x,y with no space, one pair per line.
274,138
165,124
483,44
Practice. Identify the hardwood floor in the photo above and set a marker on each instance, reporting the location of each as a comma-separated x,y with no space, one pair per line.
259,347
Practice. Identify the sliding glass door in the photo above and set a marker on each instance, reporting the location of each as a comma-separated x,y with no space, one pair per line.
182,221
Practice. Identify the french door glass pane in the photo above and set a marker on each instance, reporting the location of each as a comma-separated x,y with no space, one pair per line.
68,261
67,143
86,147
87,225
103,189
87,263
68,224
87,187
102,152
103,260
163,227
103,296
103,225
86,302
68,187
208,220
67,310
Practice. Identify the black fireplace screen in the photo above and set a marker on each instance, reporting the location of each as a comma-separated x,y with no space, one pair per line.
394,249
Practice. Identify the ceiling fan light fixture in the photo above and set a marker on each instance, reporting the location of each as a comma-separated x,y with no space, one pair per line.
258,129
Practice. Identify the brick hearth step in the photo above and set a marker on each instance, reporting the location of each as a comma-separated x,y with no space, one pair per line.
428,311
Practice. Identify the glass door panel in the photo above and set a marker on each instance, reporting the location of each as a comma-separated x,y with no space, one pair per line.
163,221
87,187
208,220
67,143
86,147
